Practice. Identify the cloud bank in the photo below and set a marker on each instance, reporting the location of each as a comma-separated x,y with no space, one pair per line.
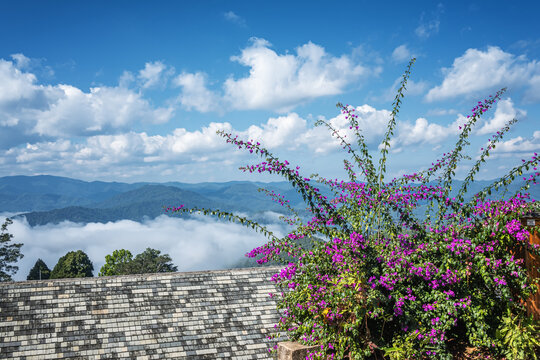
194,244
132,154
31,111
128,154
64,130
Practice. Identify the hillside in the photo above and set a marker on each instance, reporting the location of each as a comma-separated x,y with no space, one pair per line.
45,192
49,199
149,201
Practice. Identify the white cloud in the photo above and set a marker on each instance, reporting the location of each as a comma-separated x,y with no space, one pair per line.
520,144
424,132
504,112
44,153
478,71
234,18
203,141
275,82
278,132
195,95
441,112
431,26
127,148
106,153
413,88
532,94
195,244
282,81
129,155
126,79
31,110
21,61
102,109
15,85
154,74
402,54
425,30
371,122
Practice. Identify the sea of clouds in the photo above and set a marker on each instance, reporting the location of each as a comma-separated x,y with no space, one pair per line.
201,243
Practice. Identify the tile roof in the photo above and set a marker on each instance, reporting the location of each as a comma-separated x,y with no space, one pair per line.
195,315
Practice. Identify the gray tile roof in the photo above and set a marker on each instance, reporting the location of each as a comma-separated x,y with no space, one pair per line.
194,315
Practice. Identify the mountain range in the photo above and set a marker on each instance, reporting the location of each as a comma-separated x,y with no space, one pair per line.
47,199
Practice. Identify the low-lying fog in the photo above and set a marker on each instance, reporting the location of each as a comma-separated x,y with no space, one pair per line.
201,243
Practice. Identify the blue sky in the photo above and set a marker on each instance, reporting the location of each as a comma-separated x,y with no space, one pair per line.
134,91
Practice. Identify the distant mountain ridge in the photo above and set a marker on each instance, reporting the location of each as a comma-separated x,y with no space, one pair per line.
49,199
47,192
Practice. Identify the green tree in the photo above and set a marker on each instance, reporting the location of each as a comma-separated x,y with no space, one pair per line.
9,253
40,271
117,263
150,261
74,264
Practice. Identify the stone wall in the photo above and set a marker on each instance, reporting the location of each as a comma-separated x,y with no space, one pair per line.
195,315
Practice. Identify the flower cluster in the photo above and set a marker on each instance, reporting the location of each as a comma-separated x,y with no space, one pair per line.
392,278
381,280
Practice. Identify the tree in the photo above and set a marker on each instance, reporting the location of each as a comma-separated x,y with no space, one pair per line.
150,261
117,263
40,271
9,253
74,264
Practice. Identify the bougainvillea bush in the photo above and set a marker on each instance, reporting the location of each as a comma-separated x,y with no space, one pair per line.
381,281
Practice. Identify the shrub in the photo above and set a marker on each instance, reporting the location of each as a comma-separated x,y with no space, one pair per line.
387,282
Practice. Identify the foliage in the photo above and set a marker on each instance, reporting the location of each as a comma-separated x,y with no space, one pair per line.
9,253
117,263
74,264
386,282
149,261
40,271
519,336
